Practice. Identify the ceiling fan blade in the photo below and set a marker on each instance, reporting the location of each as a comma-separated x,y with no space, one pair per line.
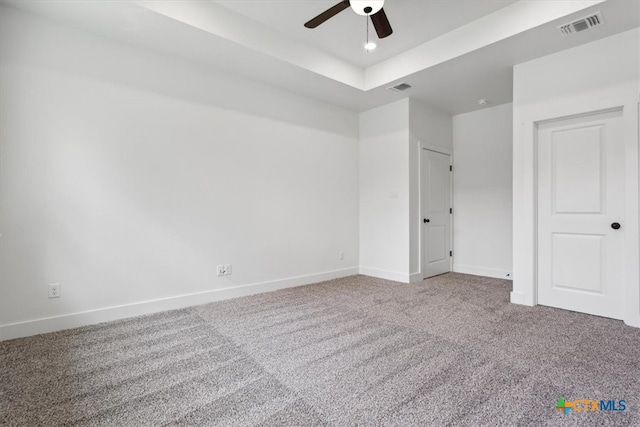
381,24
327,14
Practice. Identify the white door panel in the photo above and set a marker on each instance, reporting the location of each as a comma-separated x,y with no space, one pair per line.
577,179
437,243
439,190
570,253
580,195
436,205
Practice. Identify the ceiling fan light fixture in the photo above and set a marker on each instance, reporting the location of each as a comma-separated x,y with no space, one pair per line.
369,46
366,7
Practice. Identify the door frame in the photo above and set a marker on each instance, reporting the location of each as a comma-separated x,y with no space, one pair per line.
536,150
446,152
525,193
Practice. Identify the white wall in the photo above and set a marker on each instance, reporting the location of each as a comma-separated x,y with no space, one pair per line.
127,177
384,191
430,126
482,197
390,138
591,77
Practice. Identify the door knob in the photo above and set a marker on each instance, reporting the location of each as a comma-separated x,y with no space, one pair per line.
615,225
425,220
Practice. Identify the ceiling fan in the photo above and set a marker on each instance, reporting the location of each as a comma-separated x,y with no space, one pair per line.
372,8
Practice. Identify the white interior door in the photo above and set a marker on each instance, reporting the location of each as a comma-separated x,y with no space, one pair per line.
436,216
580,201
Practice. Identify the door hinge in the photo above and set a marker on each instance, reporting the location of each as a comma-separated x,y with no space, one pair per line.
450,210
451,168
450,253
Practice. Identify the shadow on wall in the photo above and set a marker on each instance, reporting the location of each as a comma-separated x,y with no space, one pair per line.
38,42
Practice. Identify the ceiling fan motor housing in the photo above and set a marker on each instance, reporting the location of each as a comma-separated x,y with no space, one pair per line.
366,7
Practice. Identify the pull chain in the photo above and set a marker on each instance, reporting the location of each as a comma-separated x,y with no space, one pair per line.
366,21
369,46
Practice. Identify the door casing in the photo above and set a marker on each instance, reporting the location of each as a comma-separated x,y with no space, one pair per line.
442,150
525,192
585,121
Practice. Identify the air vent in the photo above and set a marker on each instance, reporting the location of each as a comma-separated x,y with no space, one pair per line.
581,24
400,87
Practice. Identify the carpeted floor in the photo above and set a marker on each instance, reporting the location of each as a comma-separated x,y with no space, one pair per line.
354,351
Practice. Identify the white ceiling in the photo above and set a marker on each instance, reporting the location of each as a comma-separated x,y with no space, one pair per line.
413,21
453,52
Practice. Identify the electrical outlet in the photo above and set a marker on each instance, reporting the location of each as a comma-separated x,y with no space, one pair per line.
341,255
221,270
227,269
54,290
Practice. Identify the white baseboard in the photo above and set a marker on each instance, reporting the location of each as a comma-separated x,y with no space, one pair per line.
74,320
519,298
479,271
384,274
632,321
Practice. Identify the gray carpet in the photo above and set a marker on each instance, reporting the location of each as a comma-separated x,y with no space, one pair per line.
355,351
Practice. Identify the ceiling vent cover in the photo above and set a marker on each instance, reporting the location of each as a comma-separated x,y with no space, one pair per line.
400,87
581,24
